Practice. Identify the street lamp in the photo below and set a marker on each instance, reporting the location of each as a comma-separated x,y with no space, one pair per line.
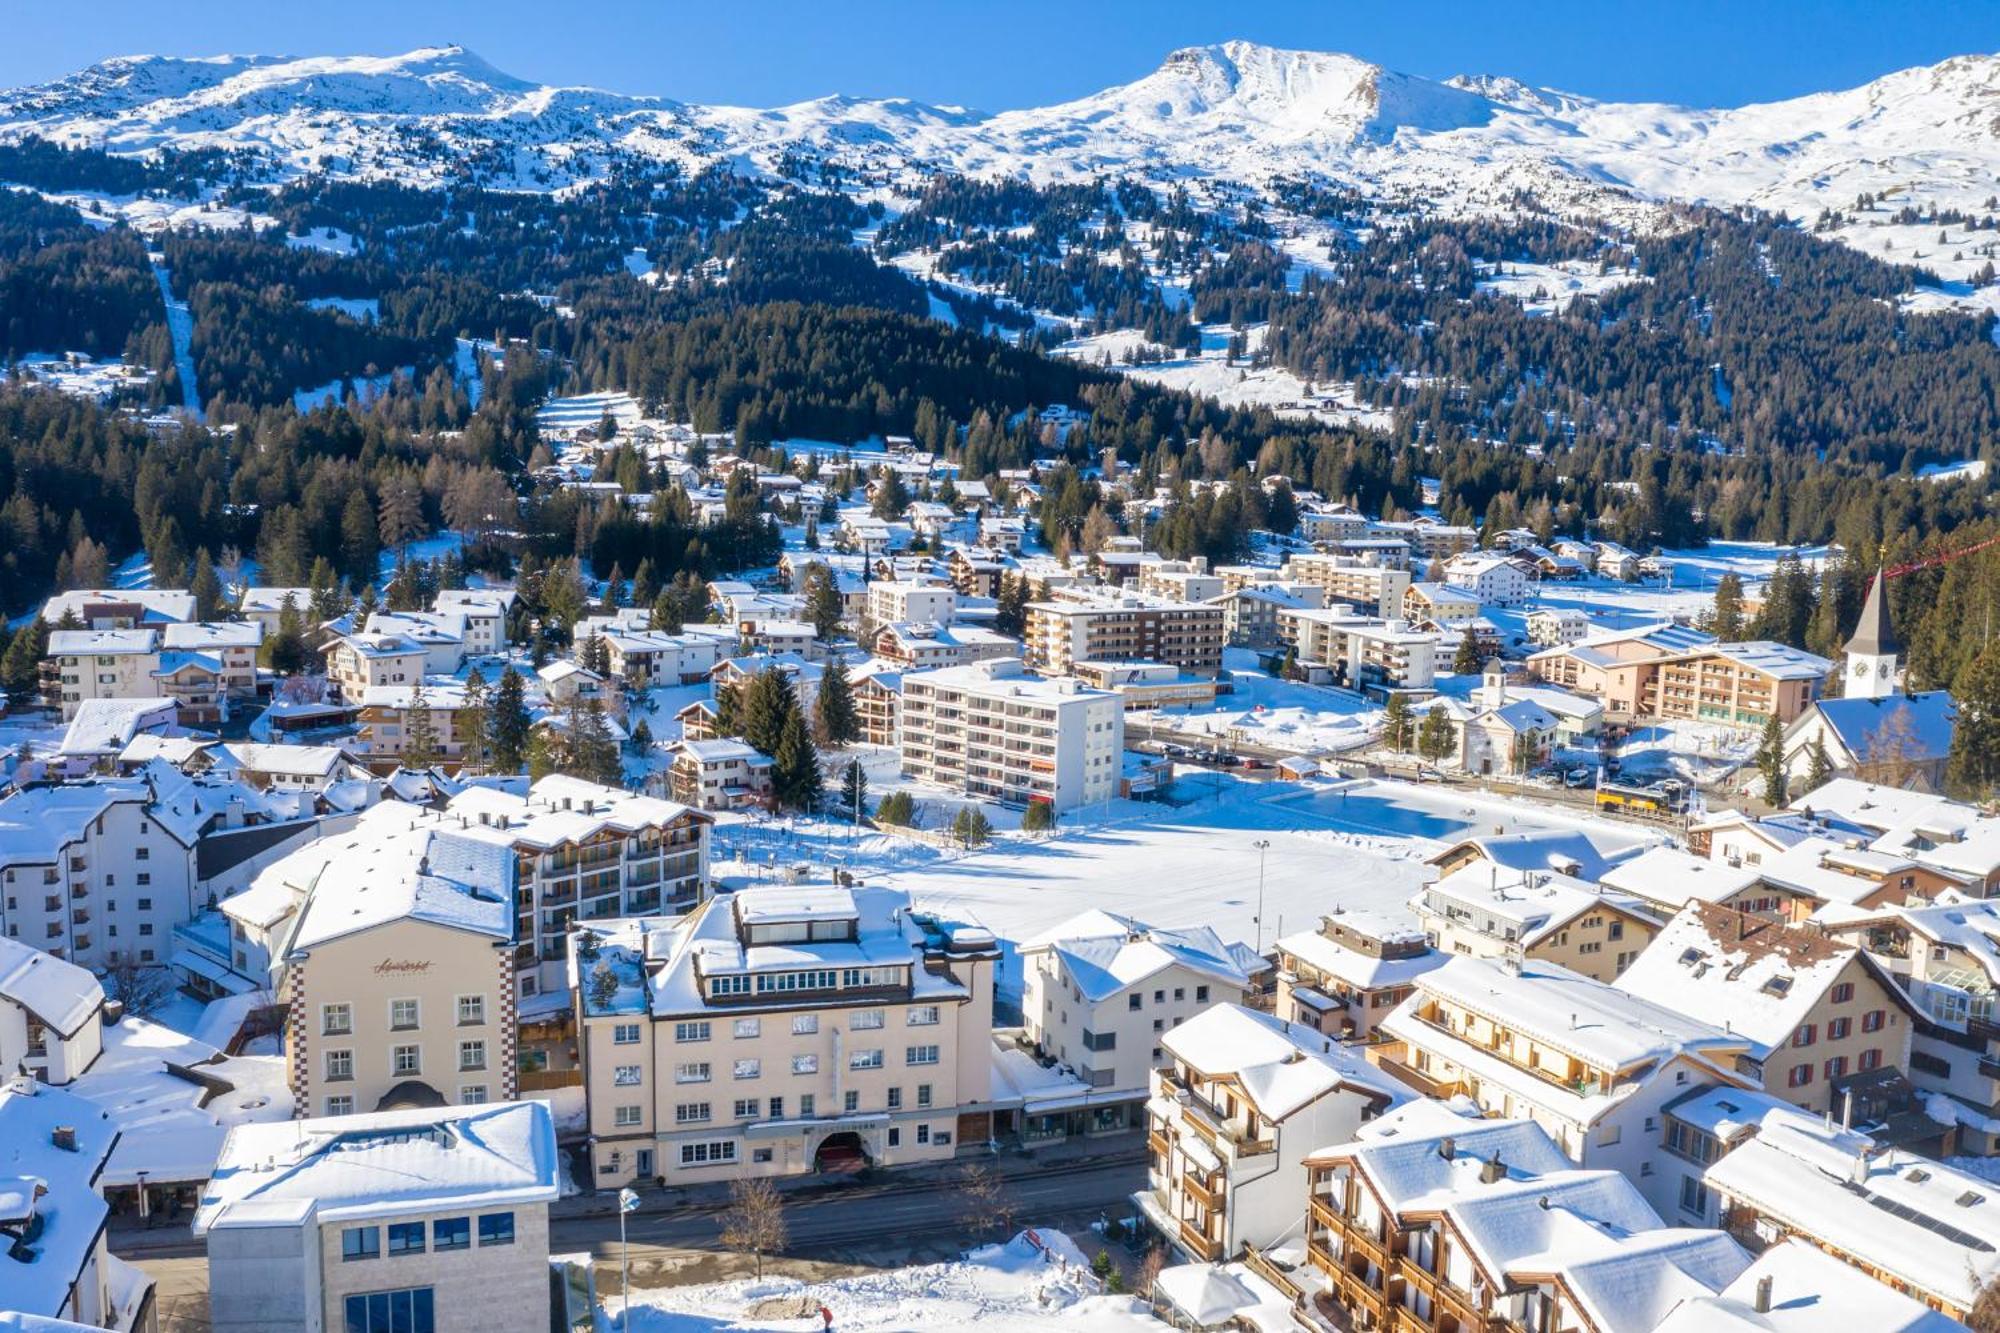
1262,845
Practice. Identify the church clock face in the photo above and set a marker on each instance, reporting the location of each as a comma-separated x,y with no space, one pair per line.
1882,669
1860,670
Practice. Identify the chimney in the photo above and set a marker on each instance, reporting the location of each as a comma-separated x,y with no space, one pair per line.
1858,1173
64,1137
1764,1294
1447,1148
1492,1171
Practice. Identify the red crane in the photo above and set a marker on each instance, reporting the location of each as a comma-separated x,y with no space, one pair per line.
1943,557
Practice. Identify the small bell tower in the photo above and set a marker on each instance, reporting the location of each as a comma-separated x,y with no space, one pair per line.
1872,652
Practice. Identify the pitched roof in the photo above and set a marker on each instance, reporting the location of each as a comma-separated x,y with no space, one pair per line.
1874,636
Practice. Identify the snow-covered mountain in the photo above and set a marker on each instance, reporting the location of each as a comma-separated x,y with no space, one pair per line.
1236,112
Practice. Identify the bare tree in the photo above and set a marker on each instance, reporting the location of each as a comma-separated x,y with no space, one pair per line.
1149,1272
983,1201
1889,752
142,990
754,1220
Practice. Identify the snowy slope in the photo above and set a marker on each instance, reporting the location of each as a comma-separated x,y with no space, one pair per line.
1235,112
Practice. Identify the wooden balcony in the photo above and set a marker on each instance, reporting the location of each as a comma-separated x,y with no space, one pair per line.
1199,1245
1212,1197
1156,1143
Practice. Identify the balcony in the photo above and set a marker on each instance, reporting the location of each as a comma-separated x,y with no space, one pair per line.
1213,1197
1199,1245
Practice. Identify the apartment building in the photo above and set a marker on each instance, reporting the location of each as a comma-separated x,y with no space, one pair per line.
1231,1119
892,603
780,1030
428,1220
389,714
1180,581
1343,978
1673,672
482,613
84,664
992,730
1443,605
649,659
357,663
1484,910
1820,1015
1250,614
1141,685
51,1014
441,634
1494,579
1101,991
1361,652
1552,627
878,702
1061,633
55,1264
720,774
1912,1223
1585,1061
1430,1221
1352,581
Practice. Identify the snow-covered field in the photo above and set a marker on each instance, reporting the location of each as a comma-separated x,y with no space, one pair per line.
1211,373
1285,715
75,374
1020,1287
1544,289
587,409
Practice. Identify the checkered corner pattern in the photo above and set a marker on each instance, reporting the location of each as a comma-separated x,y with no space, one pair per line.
295,1023
510,1026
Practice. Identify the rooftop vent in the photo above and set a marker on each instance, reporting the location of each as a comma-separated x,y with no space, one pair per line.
1448,1148
1764,1294
1492,1171
64,1137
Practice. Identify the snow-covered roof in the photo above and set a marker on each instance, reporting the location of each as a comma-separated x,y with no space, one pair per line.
208,635
316,761
106,726
387,1163
36,823
722,750
1758,977
157,605
1566,850
392,865
55,1187
273,599
1919,725
102,642
1523,906
1103,953
55,992
1883,808
1364,971
1777,660
1669,877
1936,1228
1810,1292
1280,1066
557,809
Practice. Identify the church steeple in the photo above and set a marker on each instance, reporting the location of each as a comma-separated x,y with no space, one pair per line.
1872,651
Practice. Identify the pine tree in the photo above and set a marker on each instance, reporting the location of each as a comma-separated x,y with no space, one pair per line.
475,722
206,587
645,583
1728,619
595,656
1010,616
1039,817
795,777
666,617
1819,765
285,651
22,665
892,497
1771,761
834,711
767,705
420,737
1465,661
1434,735
1397,723
823,605
1974,764
508,731
589,751
327,602
854,790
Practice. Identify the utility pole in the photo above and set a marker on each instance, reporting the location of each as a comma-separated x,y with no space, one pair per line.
1262,845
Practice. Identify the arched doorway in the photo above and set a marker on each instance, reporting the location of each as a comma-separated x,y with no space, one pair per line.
840,1154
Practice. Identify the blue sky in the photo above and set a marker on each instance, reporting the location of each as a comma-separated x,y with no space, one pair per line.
998,55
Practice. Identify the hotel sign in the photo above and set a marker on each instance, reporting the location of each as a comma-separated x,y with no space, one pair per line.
397,967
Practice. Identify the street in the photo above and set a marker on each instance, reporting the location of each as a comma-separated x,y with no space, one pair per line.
869,1226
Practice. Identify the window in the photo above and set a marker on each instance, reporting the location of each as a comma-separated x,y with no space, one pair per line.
411,1310
625,1034
748,1027
341,1105
691,1113
804,1025
1806,1035
748,1108
360,1243
865,1060
451,1233
924,1134
805,1064
895,1137
1872,1020
1800,1077
472,1094
806,1105
867,1020
851,1102
1134,1000
339,1066
923,1094
336,1020
1180,993
1102,1041
1201,995
1694,1196
691,1032
627,1076
403,1015
895,1099
1843,992
921,1055
691,1073
749,1068
705,1154
923,1016
496,1228
406,1238
1159,997
1837,1029
626,1117
1870,1059
407,1060
471,1010
1836,1067
472,1055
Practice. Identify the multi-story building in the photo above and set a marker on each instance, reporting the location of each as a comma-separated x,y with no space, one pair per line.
1494,579
87,664
55,1264
1821,1016
1444,605
388,716
1911,1223
442,635
1552,627
429,1220
1099,993
720,774
51,1014
233,644
266,606
1587,1062
922,646
892,603
1674,672
780,1030
1430,1221
482,613
1230,1122
1359,651
1062,633
120,608
992,730
1374,588
1345,977
1250,614
1490,911
1180,581
878,702
357,663
648,658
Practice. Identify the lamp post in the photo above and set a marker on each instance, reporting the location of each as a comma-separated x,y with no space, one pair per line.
1262,845
628,1201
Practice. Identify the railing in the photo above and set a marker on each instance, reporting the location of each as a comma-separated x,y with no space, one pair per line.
1199,1244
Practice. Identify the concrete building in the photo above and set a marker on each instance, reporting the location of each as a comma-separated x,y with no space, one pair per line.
429,1220
1100,991
1444,605
1180,581
120,608
1552,627
51,1015
781,1030
720,774
54,1260
892,603
1493,579
85,664
1343,978
1062,633
993,731
1491,911
1230,1122
357,663
1361,652
1673,672
1375,588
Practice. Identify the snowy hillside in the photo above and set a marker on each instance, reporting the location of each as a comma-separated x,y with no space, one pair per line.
1237,112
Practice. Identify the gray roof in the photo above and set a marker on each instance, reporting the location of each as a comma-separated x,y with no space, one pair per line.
1873,636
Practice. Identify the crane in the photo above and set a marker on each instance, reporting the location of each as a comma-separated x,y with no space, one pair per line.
1941,558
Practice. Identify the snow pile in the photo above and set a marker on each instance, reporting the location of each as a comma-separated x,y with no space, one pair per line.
1038,1281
